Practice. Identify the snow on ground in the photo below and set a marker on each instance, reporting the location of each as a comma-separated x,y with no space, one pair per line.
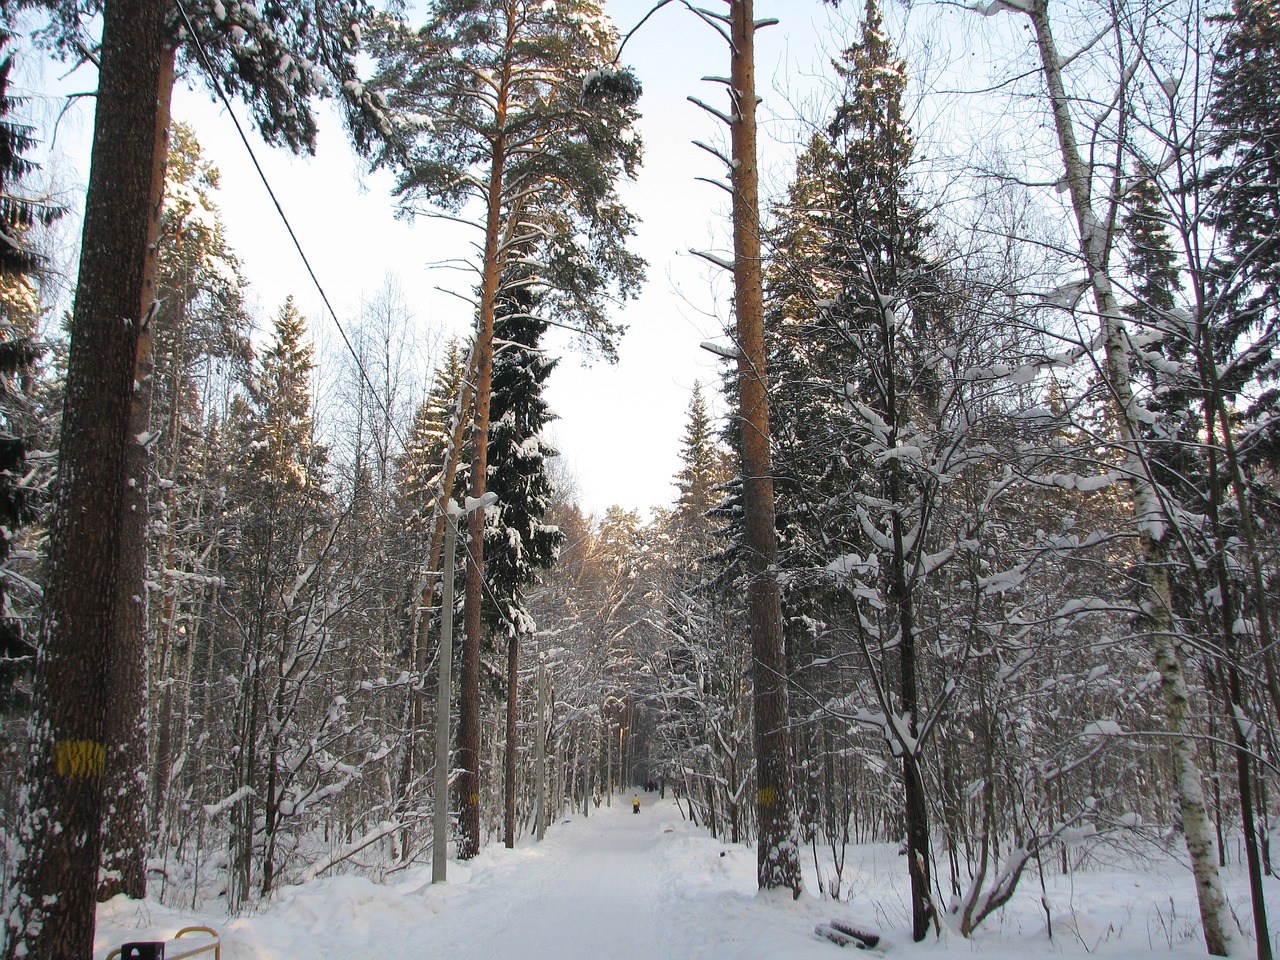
617,886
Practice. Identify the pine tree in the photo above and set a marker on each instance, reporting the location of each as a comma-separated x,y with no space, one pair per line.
777,857
488,100
276,58
52,911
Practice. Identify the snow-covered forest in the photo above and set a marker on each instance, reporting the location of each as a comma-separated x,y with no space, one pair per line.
979,563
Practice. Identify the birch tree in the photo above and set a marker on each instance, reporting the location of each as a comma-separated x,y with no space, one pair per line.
1092,181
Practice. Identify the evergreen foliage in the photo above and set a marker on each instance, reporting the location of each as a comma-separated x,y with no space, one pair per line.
1156,278
279,58
966,622
18,354
200,338
1246,186
520,541
481,82
703,470
418,467
282,532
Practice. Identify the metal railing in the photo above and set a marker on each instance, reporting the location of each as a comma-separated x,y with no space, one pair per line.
213,946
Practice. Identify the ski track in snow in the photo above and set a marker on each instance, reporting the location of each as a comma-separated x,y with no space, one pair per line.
653,887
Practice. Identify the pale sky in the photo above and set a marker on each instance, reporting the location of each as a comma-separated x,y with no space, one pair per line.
620,425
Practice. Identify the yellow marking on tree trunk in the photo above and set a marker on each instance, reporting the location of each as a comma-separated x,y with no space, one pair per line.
80,758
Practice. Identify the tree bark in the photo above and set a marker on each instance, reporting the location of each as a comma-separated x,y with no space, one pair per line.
778,856
125,832
52,915
469,700
1237,712
917,812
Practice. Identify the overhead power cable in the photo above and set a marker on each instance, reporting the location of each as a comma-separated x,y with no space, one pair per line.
226,102
244,139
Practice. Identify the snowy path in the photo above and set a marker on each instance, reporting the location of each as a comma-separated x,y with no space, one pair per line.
615,886
596,888
612,885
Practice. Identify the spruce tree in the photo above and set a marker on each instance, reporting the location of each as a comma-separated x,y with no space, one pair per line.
520,541
1246,187
704,469
1236,355
863,311
18,213
883,325
281,518
19,309
418,468
1152,264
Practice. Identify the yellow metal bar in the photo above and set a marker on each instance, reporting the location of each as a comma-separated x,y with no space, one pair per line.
209,930
215,946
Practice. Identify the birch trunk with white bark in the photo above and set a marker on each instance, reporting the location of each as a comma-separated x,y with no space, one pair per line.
1220,929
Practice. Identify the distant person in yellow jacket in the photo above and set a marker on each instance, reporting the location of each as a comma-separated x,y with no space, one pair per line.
635,804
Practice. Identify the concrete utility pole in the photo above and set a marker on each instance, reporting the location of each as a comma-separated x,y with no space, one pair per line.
541,747
440,814
440,818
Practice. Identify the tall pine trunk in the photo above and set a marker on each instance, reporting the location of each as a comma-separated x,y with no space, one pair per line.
125,834
469,700
777,854
60,835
